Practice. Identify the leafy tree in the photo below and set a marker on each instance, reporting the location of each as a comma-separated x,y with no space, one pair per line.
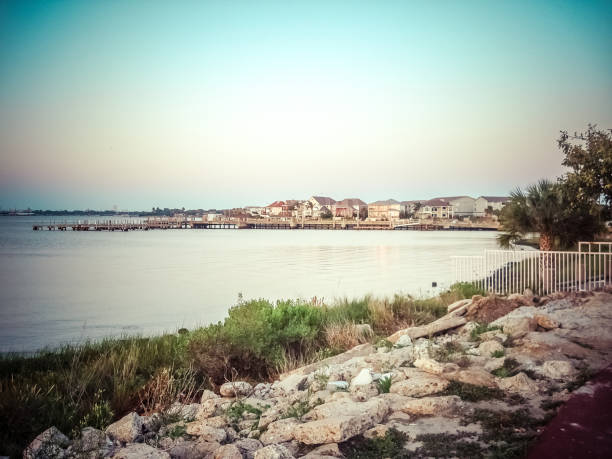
589,157
549,209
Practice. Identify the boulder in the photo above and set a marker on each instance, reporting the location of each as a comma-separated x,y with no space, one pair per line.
363,378
213,407
458,304
227,452
92,443
431,405
429,365
185,412
475,376
520,383
236,389
419,384
325,451
291,383
334,386
207,395
487,348
140,451
557,369
248,447
340,420
494,364
447,322
274,452
185,449
279,431
489,308
517,327
48,444
379,430
205,432
404,341
127,429
545,322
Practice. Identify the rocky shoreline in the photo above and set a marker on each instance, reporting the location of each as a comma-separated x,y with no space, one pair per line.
482,379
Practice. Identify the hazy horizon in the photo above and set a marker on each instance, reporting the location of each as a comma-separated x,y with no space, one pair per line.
226,104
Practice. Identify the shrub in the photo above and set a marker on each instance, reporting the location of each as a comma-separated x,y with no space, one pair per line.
384,385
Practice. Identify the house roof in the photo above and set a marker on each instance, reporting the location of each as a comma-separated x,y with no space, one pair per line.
277,204
350,202
435,202
386,202
453,198
412,202
496,198
324,200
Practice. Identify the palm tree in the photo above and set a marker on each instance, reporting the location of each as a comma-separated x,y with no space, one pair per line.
549,209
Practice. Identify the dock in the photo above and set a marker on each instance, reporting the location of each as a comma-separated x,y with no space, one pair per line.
166,223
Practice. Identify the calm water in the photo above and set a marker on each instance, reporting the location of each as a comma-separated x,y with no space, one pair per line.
58,287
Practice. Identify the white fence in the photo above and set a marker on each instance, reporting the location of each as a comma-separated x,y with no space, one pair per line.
512,271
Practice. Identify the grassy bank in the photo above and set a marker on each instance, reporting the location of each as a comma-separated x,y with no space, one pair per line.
94,383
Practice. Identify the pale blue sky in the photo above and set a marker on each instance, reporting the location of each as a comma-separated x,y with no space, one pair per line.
223,104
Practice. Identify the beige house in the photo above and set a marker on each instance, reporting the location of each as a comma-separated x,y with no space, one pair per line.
435,208
318,205
494,202
463,206
385,210
350,208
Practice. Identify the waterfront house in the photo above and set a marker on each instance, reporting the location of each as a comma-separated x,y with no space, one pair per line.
484,202
463,206
435,208
319,205
276,208
350,208
389,209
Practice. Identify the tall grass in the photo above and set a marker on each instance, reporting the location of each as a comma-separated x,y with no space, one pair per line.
95,383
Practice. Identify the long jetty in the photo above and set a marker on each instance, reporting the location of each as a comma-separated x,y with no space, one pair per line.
254,223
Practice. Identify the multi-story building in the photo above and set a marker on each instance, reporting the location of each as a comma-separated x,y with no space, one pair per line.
435,208
389,209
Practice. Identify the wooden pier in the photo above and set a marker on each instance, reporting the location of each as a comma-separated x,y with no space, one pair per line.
251,223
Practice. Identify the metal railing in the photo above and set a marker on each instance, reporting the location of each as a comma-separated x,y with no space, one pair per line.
512,271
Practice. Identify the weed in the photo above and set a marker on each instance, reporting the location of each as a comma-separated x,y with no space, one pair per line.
480,329
497,354
391,445
384,385
237,409
299,409
449,445
446,352
473,393
178,430
510,368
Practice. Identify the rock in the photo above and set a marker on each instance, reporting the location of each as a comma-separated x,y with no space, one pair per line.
335,386
140,451
213,407
236,389
93,443
151,423
291,383
207,395
431,405
494,335
488,348
458,304
528,293
404,341
379,430
419,384
545,322
279,431
274,452
363,393
557,369
489,308
447,322
217,422
185,412
399,416
363,378
518,327
325,451
126,429
227,452
494,364
429,365
205,432
191,449
519,383
248,447
49,444
475,376
340,420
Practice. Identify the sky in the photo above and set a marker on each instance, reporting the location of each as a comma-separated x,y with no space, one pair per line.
204,104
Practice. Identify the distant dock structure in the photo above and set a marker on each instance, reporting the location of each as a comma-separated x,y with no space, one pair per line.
166,223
